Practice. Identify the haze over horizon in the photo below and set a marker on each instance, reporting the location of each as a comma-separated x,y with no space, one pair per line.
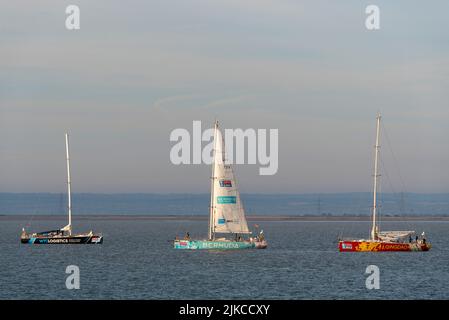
134,73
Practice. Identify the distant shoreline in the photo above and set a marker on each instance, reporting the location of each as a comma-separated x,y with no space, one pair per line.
279,206
311,218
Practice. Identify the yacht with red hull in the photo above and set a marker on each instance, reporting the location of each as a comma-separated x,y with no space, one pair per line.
367,245
386,240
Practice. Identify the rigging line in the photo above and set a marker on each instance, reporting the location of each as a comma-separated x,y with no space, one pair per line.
28,225
31,219
389,180
394,192
241,208
396,163
360,199
351,226
397,196
381,199
234,177
384,169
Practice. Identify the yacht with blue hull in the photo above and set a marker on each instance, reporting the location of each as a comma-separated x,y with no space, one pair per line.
227,216
63,235
56,237
218,244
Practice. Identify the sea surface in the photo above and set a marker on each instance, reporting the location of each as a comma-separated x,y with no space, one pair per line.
137,261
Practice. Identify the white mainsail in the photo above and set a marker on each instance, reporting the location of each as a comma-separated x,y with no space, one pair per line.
227,213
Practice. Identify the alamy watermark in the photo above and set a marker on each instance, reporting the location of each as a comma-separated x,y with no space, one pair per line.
372,21
72,21
373,280
196,148
73,280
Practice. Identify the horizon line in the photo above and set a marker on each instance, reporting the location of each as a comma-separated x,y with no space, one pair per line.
207,193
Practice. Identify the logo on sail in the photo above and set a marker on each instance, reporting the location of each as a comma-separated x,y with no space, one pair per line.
221,221
226,183
226,199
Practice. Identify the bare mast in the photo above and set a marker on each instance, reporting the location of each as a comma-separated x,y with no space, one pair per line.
375,230
69,207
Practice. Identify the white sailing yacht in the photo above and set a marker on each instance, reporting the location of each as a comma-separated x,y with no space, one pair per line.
227,215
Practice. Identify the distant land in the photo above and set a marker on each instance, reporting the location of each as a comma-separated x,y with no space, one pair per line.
204,218
355,204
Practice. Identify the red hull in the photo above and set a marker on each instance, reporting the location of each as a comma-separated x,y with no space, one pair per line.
378,246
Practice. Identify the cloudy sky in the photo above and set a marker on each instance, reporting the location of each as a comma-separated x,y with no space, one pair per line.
136,71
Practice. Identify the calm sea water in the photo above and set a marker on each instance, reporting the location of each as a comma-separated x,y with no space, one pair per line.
137,261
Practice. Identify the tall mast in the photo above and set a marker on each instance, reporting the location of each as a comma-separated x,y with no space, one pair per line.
211,216
374,229
69,226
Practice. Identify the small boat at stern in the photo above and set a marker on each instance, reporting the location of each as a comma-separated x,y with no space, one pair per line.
227,216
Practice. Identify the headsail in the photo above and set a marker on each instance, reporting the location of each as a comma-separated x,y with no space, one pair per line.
228,215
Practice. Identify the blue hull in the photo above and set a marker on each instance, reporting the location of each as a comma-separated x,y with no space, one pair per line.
94,239
212,245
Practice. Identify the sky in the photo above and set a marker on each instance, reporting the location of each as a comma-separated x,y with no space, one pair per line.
136,71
